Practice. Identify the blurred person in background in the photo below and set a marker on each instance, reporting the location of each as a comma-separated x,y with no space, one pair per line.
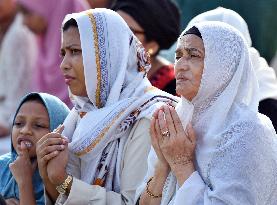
156,24
16,63
44,19
101,3
266,75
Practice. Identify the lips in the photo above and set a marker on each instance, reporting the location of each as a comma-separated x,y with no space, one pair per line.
26,141
68,79
181,77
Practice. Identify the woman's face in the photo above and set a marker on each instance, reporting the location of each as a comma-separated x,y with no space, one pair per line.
72,62
189,64
31,123
36,23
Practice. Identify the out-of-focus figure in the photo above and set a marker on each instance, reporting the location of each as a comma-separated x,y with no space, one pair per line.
44,19
17,54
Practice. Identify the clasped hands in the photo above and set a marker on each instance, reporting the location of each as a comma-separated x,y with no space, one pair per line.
52,157
173,145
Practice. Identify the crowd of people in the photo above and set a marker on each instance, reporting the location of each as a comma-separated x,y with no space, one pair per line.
91,113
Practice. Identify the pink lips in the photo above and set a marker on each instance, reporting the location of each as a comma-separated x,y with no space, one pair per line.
68,79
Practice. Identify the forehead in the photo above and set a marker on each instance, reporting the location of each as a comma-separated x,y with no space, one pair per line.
190,41
71,36
34,109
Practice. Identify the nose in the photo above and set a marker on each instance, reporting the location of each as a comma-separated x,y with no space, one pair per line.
65,64
181,64
26,129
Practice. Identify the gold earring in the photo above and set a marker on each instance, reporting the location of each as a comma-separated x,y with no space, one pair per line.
150,51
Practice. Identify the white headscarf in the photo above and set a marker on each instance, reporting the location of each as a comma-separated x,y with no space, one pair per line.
235,144
265,74
119,94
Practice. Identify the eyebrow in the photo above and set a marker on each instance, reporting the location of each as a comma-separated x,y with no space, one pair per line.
71,45
189,50
36,118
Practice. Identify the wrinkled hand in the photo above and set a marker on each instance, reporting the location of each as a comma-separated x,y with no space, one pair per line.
48,148
12,201
22,169
154,141
178,146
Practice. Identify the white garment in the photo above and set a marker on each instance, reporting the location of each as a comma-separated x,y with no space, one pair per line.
265,74
236,152
17,57
273,62
119,94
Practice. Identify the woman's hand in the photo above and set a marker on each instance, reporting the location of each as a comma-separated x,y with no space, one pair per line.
162,163
22,169
49,147
176,144
56,168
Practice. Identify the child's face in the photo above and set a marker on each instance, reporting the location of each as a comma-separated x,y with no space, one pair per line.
31,124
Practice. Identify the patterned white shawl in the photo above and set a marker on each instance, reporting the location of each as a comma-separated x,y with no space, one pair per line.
266,75
119,94
236,153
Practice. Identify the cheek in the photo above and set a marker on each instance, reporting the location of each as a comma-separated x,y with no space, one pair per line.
14,137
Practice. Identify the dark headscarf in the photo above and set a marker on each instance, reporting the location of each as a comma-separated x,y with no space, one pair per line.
160,19
193,30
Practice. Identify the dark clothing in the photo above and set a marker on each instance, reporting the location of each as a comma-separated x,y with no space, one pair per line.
268,107
160,19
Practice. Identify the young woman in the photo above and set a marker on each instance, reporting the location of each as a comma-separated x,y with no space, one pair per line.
36,115
105,67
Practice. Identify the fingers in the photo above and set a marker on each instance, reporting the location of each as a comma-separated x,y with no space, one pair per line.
48,157
162,121
53,139
155,114
59,129
176,120
152,129
191,134
23,150
50,149
169,121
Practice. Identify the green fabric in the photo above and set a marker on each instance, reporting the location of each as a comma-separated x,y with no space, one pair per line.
260,16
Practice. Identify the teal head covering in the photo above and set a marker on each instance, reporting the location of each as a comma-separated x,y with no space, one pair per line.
57,112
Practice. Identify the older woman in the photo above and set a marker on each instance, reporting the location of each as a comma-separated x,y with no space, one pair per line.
105,67
266,75
229,154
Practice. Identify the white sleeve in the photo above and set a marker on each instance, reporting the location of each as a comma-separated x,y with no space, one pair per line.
243,171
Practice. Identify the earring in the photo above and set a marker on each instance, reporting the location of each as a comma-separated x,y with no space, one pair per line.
150,51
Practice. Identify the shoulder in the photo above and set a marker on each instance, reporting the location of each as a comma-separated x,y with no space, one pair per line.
140,128
5,160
